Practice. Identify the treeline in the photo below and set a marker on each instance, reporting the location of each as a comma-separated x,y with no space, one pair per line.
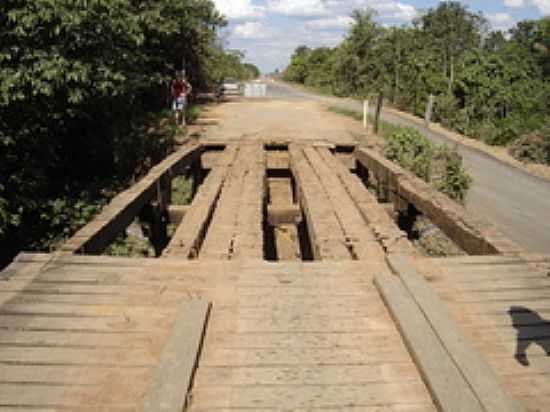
81,83
492,86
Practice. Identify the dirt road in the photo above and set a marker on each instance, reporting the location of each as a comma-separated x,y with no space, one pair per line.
274,119
518,203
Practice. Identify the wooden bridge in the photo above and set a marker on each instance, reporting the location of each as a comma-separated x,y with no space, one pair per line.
285,285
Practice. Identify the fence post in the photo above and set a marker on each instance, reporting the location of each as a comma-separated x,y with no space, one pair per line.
365,113
379,104
429,110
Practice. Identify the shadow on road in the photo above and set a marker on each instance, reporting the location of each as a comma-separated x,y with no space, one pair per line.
531,329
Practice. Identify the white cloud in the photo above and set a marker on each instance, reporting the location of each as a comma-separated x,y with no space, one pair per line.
396,11
250,30
514,4
340,22
304,8
542,5
501,21
239,9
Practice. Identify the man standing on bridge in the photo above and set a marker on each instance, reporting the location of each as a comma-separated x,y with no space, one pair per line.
180,89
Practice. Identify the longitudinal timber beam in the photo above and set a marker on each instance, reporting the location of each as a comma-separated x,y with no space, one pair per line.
327,238
189,235
96,236
386,231
237,224
359,238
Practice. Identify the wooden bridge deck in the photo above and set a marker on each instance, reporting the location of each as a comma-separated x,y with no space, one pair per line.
211,325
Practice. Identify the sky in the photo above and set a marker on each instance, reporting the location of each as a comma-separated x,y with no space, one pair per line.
268,31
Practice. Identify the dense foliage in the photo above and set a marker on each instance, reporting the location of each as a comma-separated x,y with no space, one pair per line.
440,166
81,83
491,86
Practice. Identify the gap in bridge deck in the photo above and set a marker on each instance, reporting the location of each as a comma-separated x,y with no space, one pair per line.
284,241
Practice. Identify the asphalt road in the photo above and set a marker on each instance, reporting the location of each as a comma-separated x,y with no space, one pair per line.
515,201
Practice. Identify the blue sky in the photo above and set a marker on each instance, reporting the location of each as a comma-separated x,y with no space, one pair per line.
268,31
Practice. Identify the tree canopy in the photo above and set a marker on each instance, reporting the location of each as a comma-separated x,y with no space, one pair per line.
489,85
77,79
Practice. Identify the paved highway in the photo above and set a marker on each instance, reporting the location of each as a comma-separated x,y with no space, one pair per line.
515,201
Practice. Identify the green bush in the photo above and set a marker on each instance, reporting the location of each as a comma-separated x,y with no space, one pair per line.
440,166
412,151
533,147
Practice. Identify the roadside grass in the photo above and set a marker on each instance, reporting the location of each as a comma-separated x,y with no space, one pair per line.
385,129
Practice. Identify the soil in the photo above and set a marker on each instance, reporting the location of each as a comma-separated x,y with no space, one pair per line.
274,120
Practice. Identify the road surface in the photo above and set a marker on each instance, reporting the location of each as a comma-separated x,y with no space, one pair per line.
515,201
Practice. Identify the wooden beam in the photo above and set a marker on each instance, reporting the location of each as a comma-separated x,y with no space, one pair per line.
384,228
237,223
176,213
189,235
284,215
96,236
472,365
327,238
359,238
173,376
449,389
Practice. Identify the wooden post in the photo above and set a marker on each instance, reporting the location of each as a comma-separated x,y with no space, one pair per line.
159,228
379,104
429,110
365,113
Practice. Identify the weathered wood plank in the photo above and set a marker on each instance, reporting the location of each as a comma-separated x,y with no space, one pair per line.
122,210
249,237
360,240
391,238
189,235
326,235
283,215
449,389
174,374
236,230
472,365
312,397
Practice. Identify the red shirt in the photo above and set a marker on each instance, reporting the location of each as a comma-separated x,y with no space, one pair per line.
179,87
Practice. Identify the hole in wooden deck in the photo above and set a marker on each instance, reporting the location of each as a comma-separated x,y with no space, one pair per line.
284,216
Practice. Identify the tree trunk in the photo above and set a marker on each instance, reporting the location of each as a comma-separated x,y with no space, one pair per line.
451,74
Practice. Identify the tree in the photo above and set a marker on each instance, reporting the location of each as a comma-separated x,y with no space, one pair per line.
78,78
452,29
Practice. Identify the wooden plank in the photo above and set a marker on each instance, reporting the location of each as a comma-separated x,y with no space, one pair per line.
236,230
447,385
189,235
326,235
96,236
281,196
392,372
314,397
360,240
284,215
473,366
249,235
176,213
173,377
392,239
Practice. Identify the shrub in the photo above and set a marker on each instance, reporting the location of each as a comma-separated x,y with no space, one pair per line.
440,166
533,147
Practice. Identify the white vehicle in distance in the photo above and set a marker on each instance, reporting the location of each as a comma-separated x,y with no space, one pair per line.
230,87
